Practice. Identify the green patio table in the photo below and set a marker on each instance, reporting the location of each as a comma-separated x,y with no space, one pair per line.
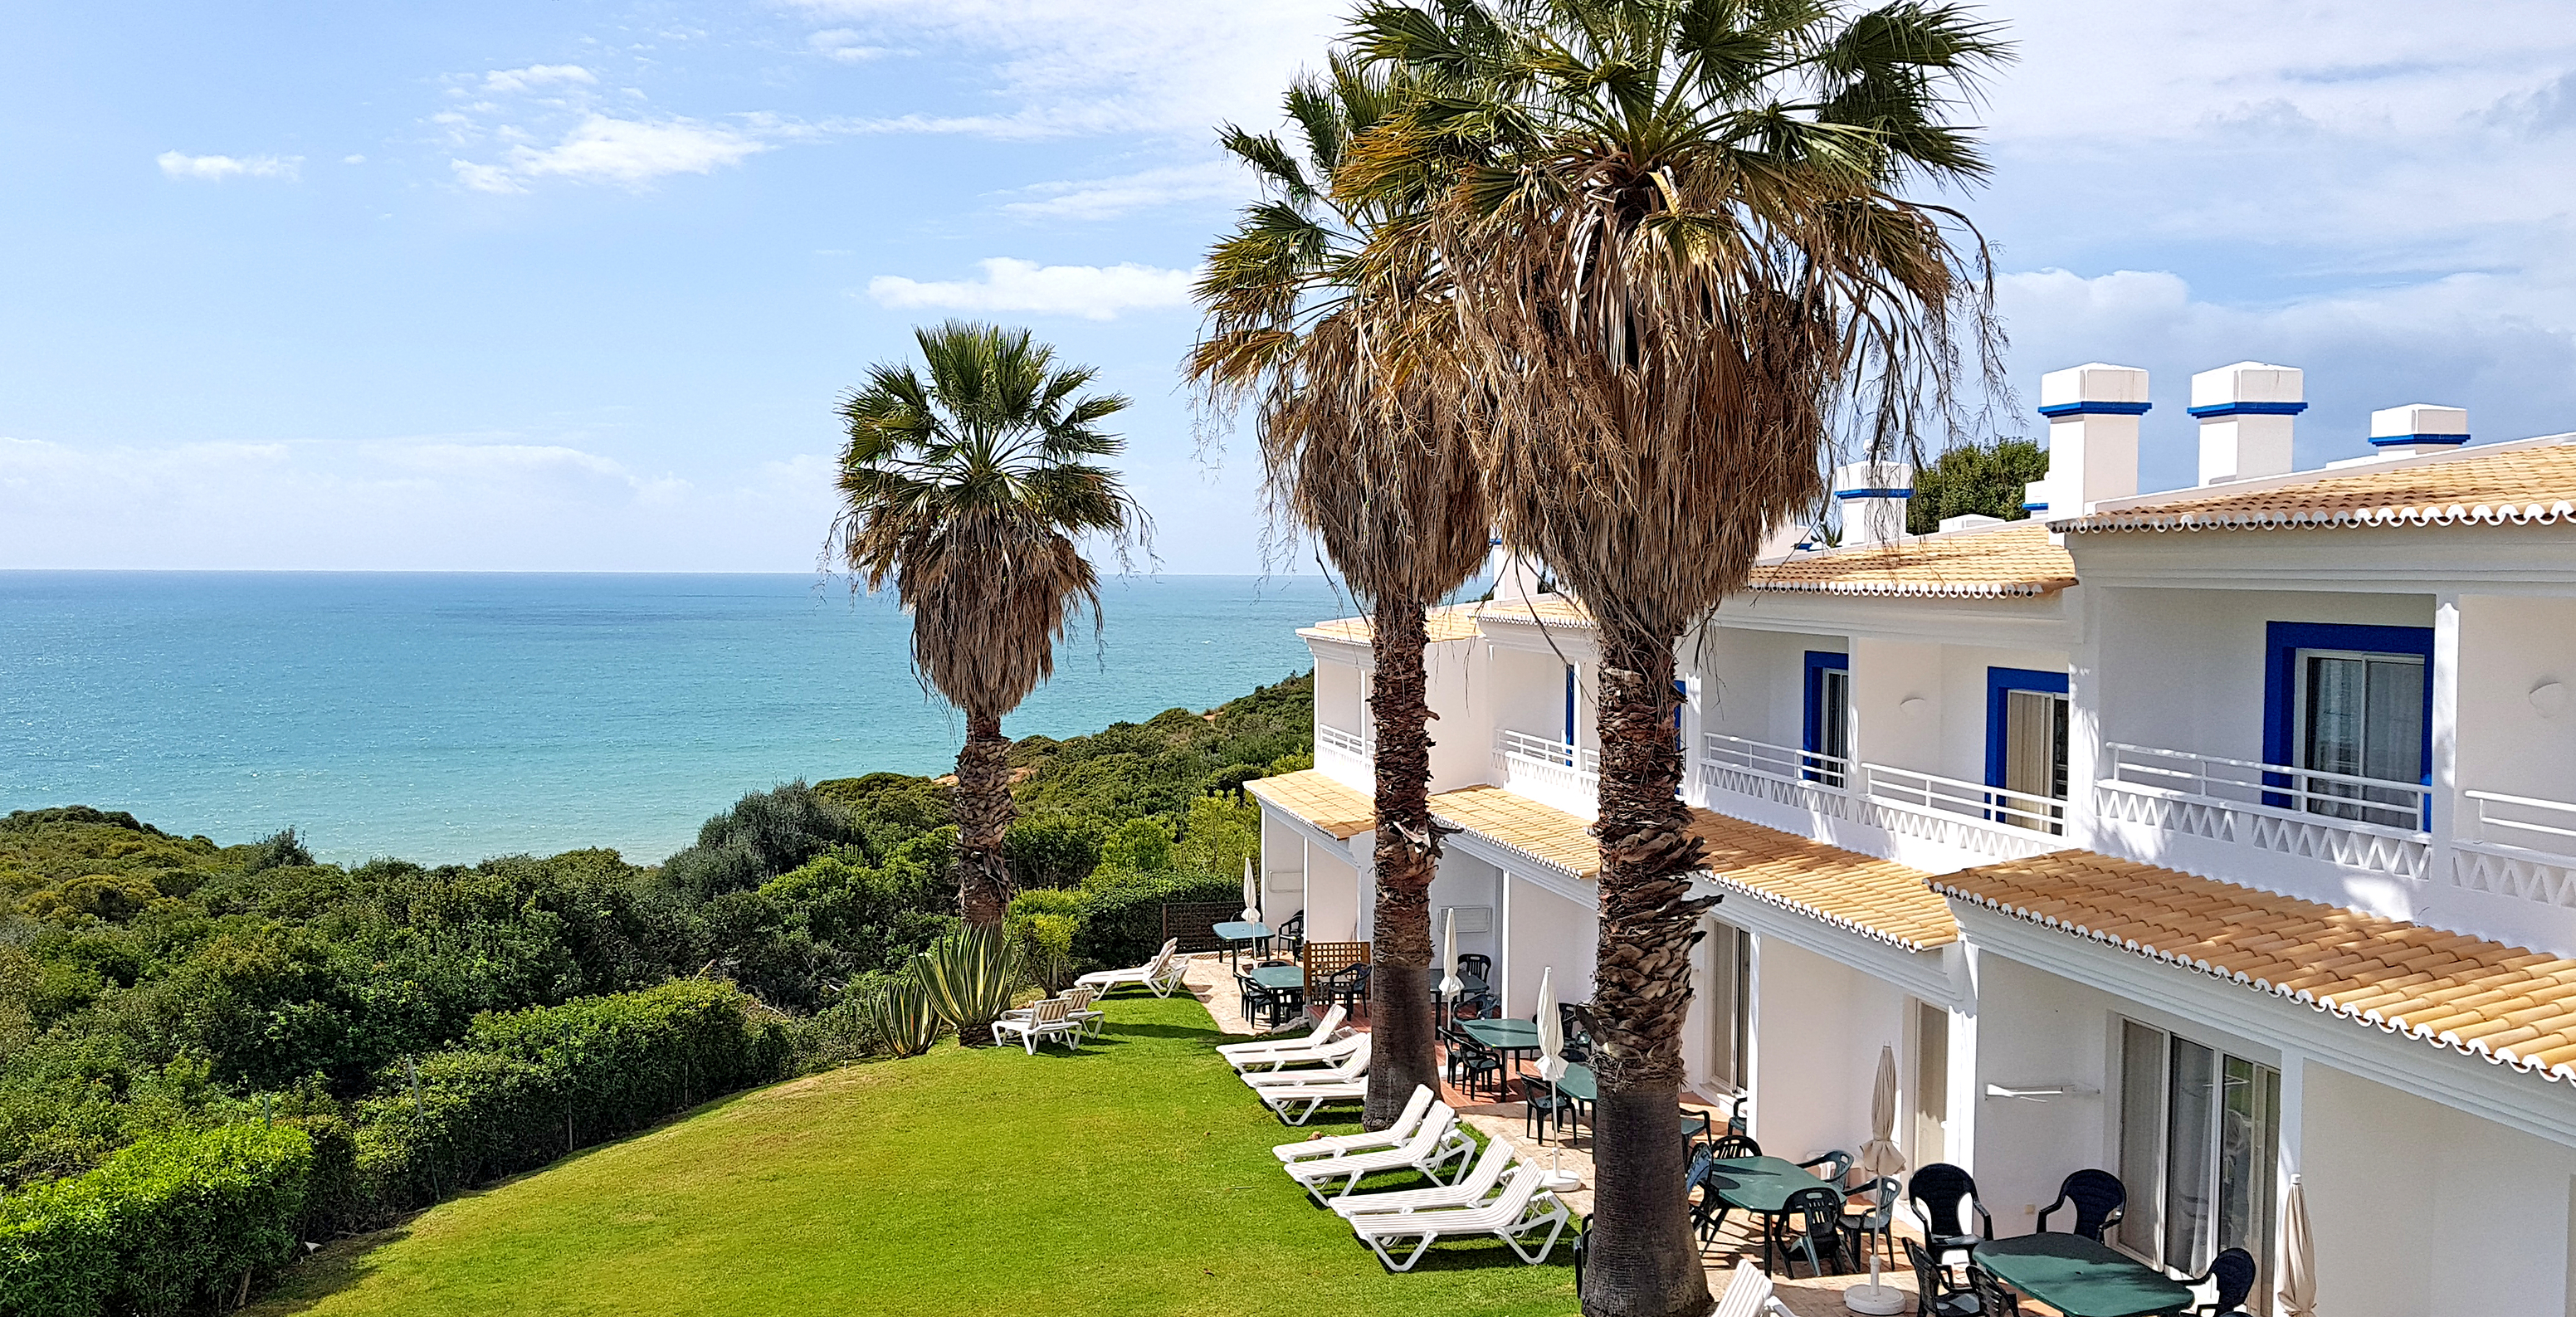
1760,1185
1234,932
1509,1036
2081,1278
1282,978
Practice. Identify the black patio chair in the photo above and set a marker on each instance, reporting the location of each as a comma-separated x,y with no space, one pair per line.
1836,1167
1291,935
1347,986
1545,1103
1258,1003
1818,1232
1482,966
2233,1273
1731,1146
1576,1022
1710,1214
1934,1296
1471,1062
1875,1216
1993,1297
1938,1193
2098,1199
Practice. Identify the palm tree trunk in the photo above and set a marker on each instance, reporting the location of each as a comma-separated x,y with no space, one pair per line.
1407,858
1642,1259
981,806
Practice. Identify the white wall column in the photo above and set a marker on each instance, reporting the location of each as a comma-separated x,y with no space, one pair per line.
2445,787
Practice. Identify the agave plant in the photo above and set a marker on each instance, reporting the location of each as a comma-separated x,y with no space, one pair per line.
899,1016
969,976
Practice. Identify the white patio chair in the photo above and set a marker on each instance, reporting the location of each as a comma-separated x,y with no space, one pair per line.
1516,1213
1334,1145
1347,1059
1146,975
1433,1146
1471,1189
1051,1018
1748,1294
1237,1054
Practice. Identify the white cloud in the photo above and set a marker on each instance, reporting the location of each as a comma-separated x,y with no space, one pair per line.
1166,67
504,82
1094,292
627,152
1223,181
845,45
216,168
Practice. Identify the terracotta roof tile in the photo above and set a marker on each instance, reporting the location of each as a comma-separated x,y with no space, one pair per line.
2526,484
2015,561
2507,1004
1872,897
1318,798
1453,622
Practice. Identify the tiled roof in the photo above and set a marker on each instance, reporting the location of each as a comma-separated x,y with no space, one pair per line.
1542,832
1547,610
2509,1005
2016,561
2524,484
1453,622
1315,796
1872,897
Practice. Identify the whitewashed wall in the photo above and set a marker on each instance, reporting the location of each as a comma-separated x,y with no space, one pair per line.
1817,1029
1542,930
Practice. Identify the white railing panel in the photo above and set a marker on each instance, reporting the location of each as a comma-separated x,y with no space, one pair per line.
1350,743
2307,794
1931,793
2521,822
1778,763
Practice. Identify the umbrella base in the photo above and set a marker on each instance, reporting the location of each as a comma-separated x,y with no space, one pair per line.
1562,1182
1878,1300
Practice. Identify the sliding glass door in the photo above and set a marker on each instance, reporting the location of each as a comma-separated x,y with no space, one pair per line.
2200,1135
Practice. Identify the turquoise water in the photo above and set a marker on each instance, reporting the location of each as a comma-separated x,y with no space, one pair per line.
452,717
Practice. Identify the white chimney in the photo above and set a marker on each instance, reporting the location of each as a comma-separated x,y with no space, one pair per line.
1872,496
2246,411
2418,428
2092,412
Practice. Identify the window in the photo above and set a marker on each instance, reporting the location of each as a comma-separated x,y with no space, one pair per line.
1730,1006
2353,702
1827,738
1569,705
1931,1083
2026,724
2200,1134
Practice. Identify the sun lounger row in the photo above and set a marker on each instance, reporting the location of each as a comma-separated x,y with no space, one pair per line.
1158,976
1493,1197
1067,1019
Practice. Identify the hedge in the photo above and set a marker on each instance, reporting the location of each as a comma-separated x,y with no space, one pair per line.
526,1087
1122,917
173,1222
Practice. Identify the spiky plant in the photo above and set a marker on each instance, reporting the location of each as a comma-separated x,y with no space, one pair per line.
969,976
969,491
1334,327
1683,265
899,1016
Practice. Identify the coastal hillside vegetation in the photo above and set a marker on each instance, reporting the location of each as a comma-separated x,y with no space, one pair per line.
398,1031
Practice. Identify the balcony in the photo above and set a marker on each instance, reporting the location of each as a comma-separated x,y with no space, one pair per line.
1971,816
1548,771
1345,755
1801,779
2341,818
2515,846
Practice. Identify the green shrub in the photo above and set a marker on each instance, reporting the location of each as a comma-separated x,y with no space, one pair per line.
1122,912
896,1016
173,1222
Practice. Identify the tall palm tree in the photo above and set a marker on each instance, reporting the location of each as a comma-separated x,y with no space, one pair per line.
1682,261
970,491
1330,320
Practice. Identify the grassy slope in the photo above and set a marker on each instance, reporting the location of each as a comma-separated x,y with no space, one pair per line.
1134,1178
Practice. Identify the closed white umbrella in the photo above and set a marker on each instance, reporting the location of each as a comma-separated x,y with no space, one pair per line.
2298,1257
1551,1067
1251,894
1880,1156
1450,983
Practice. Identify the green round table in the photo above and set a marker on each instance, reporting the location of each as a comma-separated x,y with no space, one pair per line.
1760,1185
2081,1278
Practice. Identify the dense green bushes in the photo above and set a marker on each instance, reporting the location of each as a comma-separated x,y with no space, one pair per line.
528,1086
174,1222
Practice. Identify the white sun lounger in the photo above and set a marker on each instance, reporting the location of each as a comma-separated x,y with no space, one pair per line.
1748,1294
1244,1055
1334,1145
1320,1090
1469,1191
1157,975
1433,1146
1052,1018
1347,1059
1511,1217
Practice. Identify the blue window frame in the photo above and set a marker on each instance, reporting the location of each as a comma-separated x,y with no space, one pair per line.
1569,704
2283,643
2000,683
1826,733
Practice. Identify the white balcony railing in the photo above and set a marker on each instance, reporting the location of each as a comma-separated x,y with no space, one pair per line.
2307,794
2520,823
1779,763
1348,743
1931,794
1344,754
1548,769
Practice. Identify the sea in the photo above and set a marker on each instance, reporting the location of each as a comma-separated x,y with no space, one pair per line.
451,717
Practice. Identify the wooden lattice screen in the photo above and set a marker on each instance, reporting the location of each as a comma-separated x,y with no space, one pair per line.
1194,923
1324,958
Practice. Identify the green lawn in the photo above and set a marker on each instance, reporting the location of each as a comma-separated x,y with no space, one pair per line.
1133,1178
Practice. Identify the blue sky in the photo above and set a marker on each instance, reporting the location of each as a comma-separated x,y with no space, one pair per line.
575,286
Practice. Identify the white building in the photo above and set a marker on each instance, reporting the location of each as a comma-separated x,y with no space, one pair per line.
2211,837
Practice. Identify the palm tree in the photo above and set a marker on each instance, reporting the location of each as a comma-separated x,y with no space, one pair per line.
1682,264
970,491
1327,318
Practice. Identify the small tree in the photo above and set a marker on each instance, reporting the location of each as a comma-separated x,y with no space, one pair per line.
1972,479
